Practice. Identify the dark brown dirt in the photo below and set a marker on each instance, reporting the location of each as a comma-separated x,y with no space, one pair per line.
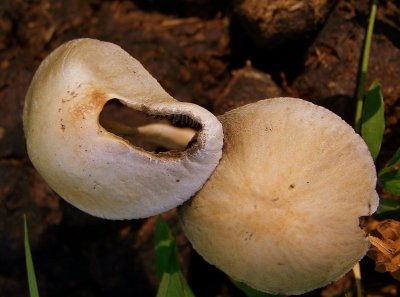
199,52
275,24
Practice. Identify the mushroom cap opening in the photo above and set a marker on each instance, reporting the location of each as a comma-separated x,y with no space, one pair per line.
172,134
93,169
281,211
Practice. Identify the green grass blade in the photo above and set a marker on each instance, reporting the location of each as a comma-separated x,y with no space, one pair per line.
390,181
373,119
388,177
167,259
388,209
173,282
364,66
393,161
387,205
33,288
169,285
250,292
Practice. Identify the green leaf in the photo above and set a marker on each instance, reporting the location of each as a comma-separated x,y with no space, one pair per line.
167,259
173,282
33,289
390,181
388,177
373,119
395,159
388,209
250,292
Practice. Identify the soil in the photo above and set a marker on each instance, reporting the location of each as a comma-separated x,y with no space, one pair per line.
200,52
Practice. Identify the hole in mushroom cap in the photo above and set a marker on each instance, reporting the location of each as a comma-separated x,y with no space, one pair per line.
159,133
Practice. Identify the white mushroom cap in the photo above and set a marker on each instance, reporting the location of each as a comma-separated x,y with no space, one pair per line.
281,211
93,169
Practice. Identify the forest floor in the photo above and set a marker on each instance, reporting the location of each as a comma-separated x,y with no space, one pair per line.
202,51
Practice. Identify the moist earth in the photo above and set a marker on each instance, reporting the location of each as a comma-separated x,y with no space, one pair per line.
201,51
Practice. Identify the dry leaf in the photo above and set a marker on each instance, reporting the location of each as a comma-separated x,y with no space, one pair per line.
385,239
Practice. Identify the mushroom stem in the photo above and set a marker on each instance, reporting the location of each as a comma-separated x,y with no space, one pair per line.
170,137
159,134
357,277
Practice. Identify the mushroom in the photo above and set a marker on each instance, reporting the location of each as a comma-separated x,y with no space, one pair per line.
94,169
281,211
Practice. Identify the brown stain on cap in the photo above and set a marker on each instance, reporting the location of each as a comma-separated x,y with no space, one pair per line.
94,105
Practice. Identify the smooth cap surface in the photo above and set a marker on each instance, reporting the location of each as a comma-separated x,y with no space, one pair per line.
93,169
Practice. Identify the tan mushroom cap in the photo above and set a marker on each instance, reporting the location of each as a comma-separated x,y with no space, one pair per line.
93,169
281,211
